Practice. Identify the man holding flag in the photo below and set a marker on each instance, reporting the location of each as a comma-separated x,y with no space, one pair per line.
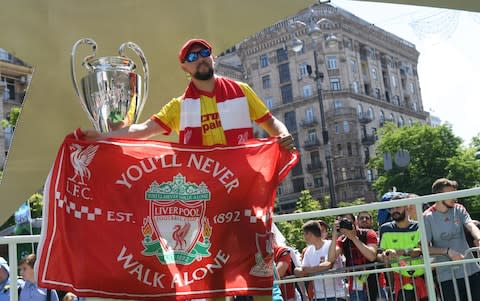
212,111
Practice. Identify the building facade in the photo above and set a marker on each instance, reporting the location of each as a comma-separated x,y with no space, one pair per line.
14,78
368,77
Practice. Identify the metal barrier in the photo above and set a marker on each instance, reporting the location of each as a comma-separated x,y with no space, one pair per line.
418,202
12,242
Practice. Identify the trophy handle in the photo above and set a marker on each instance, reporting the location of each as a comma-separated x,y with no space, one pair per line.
72,62
146,72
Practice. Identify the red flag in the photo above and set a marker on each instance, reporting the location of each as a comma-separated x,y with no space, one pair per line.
133,219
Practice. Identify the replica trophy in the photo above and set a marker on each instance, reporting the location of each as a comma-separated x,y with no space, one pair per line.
111,94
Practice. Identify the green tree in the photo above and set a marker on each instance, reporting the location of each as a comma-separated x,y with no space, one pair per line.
292,230
431,152
36,206
12,118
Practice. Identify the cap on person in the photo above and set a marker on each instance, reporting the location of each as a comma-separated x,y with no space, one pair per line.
4,264
189,44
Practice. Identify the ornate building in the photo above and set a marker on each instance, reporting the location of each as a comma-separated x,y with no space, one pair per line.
14,78
368,77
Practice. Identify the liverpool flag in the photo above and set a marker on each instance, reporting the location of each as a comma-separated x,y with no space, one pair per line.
144,219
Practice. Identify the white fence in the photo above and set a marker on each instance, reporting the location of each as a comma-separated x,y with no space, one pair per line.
12,241
418,202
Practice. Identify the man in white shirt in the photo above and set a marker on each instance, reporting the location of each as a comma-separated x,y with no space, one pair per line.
315,260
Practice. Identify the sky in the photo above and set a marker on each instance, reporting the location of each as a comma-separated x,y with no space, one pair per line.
449,64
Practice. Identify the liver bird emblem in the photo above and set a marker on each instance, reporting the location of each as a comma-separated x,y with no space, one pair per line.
179,233
80,159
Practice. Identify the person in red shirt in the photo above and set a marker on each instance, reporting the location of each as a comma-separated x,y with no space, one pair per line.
359,246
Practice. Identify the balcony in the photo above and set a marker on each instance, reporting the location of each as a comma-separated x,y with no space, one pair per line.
309,123
314,167
309,144
368,139
364,118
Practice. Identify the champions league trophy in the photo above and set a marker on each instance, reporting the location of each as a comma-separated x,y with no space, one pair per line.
111,94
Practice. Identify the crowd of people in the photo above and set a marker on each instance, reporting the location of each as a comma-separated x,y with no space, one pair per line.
353,246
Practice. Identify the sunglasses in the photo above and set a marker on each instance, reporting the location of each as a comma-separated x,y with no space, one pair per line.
193,56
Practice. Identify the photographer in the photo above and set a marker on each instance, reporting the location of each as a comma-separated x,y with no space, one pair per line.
359,246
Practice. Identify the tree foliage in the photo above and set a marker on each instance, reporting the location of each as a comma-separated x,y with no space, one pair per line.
434,153
36,207
12,118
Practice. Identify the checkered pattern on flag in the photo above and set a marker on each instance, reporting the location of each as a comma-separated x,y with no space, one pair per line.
147,220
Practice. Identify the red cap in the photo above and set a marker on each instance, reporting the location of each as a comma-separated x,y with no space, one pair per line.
186,47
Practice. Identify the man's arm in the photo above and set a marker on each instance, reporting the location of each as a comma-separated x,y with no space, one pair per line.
275,127
474,231
369,251
136,131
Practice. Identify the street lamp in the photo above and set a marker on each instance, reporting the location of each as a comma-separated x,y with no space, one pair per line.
314,32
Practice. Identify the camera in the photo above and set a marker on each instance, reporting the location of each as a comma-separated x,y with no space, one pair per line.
346,224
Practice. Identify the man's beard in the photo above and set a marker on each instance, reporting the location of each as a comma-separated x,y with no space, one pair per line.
204,75
398,217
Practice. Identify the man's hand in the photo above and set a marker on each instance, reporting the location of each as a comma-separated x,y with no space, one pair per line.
286,141
89,135
454,255
299,272
389,255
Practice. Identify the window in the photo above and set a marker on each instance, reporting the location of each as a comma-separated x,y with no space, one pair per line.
266,82
337,104
370,113
414,106
346,126
359,110
382,117
298,185
344,173
355,87
315,158
410,122
394,81
349,149
284,72
312,136
309,114
332,62
353,65
339,149
9,92
303,70
401,122
411,87
297,169
307,91
392,118
337,128
377,93
4,55
374,73
317,181
269,102
282,55
287,96
396,100
335,84
369,175
263,61
290,120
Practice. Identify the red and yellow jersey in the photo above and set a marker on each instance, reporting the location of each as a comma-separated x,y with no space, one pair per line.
214,114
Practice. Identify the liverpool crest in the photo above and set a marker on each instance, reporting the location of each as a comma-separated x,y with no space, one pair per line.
177,230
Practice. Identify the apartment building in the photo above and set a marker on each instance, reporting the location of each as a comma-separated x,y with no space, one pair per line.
14,78
366,78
